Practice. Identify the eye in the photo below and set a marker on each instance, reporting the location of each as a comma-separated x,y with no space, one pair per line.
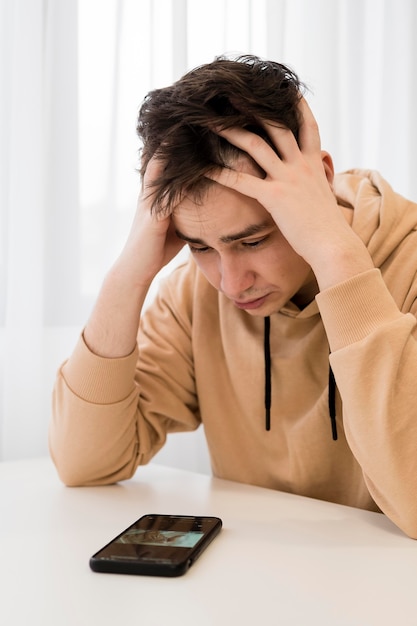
196,250
254,244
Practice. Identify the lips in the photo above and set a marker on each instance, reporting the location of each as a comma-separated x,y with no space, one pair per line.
250,304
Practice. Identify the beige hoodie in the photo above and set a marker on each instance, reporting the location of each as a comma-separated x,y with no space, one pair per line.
202,360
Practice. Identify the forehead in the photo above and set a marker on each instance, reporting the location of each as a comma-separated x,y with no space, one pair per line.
222,214
222,211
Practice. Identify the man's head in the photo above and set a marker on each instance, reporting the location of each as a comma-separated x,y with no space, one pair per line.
178,123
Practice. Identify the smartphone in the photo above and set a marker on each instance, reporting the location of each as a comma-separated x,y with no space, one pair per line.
157,545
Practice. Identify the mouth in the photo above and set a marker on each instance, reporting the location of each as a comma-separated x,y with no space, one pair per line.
250,304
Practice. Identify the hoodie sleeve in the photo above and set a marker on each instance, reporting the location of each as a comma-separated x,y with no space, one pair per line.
374,359
104,423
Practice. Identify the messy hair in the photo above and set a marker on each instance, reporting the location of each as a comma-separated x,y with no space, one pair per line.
177,124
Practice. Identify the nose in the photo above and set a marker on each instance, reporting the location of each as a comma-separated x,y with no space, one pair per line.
235,276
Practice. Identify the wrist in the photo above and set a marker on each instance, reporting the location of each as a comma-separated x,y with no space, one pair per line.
340,261
111,331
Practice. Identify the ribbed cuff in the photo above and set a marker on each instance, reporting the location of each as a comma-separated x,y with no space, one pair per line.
355,308
99,380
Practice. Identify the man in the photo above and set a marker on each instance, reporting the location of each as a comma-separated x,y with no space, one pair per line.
290,333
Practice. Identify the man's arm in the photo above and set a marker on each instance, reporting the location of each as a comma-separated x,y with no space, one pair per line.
374,359
112,414
94,429
112,328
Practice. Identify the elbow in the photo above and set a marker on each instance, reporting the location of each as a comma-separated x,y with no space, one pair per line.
71,474
69,464
78,476
405,520
408,527
70,477
77,468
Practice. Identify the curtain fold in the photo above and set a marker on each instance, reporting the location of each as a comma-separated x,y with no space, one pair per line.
23,200
72,76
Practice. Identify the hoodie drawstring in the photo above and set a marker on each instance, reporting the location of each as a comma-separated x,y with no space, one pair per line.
332,403
267,359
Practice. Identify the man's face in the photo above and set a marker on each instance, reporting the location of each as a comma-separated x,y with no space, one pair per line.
242,253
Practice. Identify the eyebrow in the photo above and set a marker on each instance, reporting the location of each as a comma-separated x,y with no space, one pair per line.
249,231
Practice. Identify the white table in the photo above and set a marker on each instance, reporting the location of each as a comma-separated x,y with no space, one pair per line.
280,559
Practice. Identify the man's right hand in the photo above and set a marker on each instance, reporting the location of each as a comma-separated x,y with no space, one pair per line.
152,241
113,325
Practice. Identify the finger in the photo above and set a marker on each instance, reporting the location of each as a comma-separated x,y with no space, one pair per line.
285,146
283,139
245,184
254,145
309,136
153,169
151,175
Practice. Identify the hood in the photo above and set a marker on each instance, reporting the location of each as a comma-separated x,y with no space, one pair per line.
382,218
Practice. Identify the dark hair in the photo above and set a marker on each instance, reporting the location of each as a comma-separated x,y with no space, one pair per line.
176,123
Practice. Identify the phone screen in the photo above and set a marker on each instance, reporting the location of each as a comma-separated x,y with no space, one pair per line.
160,545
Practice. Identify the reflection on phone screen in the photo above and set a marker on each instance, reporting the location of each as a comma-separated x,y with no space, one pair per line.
177,539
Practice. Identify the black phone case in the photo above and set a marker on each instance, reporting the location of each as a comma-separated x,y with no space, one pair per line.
156,566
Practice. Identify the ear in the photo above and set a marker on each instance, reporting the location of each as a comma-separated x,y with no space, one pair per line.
328,166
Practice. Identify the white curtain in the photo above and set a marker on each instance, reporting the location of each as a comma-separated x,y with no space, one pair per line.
72,75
